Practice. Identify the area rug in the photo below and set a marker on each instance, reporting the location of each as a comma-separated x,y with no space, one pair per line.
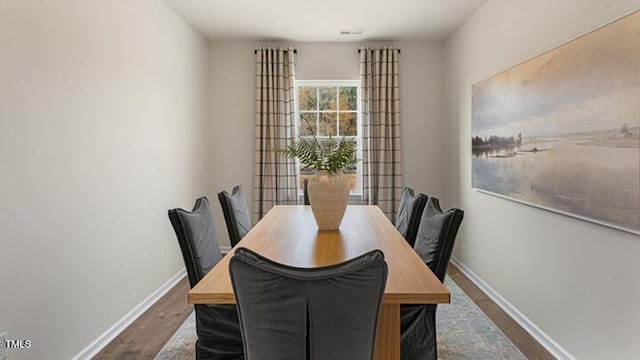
464,332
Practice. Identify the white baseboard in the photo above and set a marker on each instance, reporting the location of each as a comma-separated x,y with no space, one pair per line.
92,349
545,340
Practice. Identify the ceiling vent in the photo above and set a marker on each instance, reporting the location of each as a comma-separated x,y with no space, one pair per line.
351,32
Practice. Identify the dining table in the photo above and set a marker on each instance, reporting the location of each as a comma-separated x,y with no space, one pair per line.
289,235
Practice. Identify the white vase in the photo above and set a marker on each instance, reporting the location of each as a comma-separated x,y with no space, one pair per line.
329,196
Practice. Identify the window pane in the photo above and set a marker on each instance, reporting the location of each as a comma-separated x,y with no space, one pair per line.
348,98
328,98
348,124
327,124
307,123
331,109
307,96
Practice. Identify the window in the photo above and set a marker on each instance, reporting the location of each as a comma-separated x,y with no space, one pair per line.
330,108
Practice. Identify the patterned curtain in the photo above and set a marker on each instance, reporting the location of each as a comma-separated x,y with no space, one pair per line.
275,177
381,156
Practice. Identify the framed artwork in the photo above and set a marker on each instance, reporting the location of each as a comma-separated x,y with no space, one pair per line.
561,131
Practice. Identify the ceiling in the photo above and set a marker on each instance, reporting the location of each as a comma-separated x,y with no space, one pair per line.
305,20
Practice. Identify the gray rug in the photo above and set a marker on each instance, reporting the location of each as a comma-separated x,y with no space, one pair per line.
464,332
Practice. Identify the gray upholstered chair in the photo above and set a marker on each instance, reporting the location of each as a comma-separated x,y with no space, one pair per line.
236,214
305,189
217,326
434,243
327,313
409,213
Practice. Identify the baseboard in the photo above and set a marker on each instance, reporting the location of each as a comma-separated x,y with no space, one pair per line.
103,340
545,340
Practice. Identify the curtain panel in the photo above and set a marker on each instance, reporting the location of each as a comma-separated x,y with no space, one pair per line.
275,176
381,153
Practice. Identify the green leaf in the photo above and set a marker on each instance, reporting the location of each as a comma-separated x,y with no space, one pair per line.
331,155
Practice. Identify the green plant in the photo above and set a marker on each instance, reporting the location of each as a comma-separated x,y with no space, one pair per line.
329,155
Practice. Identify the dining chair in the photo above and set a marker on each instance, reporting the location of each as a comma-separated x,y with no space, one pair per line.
434,244
409,213
305,188
326,313
217,326
236,214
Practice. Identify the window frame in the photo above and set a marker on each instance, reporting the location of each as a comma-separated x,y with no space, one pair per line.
335,83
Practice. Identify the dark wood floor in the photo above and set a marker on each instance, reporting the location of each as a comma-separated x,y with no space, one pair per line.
146,336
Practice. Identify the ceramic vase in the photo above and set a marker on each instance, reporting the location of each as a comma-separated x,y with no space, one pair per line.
329,196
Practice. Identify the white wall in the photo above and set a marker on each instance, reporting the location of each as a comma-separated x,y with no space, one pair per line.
232,101
103,127
575,280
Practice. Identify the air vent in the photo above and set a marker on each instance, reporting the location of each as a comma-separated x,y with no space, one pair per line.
351,32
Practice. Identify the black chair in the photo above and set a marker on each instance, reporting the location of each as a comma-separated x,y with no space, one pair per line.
236,214
409,213
305,186
327,313
217,326
434,243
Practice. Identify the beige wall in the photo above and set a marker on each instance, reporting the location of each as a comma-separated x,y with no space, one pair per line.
232,101
103,127
577,281
112,113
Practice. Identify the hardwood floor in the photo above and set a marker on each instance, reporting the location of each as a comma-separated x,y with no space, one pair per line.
146,336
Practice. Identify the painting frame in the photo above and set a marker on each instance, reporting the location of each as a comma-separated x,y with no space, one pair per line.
499,102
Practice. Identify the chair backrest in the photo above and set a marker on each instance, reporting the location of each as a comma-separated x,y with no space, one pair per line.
409,213
436,236
305,188
236,214
335,308
197,238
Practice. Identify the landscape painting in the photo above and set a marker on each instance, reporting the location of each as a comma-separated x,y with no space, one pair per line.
562,131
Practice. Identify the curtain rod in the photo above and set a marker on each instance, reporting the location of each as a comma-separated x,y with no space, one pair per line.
294,51
360,50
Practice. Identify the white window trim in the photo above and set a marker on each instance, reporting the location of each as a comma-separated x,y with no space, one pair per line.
356,194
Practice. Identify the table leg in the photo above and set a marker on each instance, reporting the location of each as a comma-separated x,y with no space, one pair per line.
388,336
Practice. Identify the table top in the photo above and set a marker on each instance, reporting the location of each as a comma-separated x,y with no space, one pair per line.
289,235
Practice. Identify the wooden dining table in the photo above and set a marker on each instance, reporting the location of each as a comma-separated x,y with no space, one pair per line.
288,234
